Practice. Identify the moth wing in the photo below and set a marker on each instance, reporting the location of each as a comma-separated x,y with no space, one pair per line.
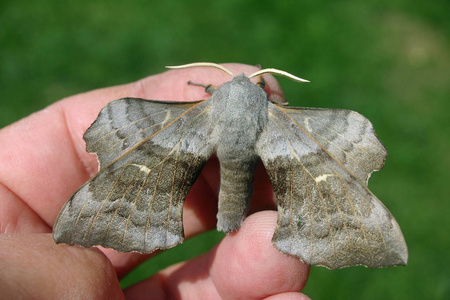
319,161
151,153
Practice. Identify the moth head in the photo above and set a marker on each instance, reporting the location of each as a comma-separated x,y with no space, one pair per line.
257,73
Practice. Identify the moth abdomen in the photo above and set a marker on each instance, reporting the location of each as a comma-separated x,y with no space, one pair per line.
236,190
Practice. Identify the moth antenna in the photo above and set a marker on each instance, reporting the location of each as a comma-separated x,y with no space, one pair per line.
202,64
277,72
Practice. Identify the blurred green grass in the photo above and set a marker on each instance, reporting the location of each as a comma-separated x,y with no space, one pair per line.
389,60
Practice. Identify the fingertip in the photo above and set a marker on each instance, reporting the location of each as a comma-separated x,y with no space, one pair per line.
289,296
33,266
247,262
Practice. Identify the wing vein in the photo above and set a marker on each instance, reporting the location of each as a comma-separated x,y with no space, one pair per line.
158,132
308,196
128,125
94,220
318,189
172,189
120,203
151,204
357,215
313,139
144,182
342,136
291,201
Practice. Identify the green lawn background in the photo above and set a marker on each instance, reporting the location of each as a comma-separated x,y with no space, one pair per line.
389,60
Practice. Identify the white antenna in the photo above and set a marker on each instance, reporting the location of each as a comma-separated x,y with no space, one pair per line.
278,72
258,73
202,64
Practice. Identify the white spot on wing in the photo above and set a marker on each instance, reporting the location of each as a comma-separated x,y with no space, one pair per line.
307,125
168,116
142,168
322,177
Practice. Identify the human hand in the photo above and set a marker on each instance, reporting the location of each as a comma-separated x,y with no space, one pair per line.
43,161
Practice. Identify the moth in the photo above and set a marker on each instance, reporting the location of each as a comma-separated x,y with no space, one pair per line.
318,161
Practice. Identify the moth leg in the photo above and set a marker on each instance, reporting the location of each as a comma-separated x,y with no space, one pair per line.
209,88
261,82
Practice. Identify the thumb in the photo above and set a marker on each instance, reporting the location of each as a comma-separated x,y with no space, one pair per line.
33,266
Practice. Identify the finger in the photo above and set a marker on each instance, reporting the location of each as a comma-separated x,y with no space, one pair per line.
245,265
249,264
32,266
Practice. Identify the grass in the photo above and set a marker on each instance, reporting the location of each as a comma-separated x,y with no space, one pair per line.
389,60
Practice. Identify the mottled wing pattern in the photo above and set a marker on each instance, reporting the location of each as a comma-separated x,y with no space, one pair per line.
151,152
319,161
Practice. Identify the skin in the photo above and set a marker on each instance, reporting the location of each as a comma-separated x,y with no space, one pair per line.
43,161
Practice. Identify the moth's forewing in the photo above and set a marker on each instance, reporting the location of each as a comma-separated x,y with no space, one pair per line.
318,161
151,153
